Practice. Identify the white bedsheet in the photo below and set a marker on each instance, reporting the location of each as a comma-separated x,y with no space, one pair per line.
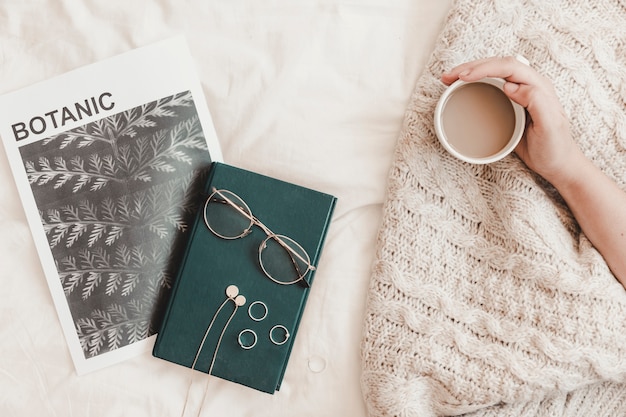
312,92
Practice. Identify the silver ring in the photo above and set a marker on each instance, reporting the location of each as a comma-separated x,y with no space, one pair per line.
264,312
242,344
279,326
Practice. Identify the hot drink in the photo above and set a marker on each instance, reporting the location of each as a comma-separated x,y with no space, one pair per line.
478,120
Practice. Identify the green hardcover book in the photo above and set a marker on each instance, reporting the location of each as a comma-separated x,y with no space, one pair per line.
245,277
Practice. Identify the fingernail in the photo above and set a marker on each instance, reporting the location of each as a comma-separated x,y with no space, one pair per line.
464,73
511,87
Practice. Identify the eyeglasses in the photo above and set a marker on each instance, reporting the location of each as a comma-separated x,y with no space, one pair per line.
281,258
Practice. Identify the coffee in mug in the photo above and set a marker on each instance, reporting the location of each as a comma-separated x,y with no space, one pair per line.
477,122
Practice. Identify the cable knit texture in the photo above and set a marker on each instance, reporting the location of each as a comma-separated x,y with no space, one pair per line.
485,297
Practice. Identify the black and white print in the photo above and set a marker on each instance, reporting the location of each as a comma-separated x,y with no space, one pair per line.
115,197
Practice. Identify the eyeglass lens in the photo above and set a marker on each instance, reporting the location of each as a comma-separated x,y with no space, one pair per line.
225,220
283,260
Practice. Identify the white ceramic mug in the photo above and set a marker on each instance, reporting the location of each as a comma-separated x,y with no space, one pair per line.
466,129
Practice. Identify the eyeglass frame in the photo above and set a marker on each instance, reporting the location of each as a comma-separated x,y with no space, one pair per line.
280,239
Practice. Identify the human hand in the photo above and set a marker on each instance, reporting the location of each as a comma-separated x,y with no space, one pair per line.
547,146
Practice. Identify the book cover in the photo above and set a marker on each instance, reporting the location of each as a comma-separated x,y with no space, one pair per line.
107,159
247,343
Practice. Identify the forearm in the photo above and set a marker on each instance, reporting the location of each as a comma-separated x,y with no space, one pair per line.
599,206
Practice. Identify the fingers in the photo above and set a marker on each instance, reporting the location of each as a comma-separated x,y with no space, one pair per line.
508,68
541,102
452,75
519,93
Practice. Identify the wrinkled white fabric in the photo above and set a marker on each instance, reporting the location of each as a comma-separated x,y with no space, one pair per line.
312,92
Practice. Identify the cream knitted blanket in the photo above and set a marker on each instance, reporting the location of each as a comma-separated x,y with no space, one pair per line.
485,295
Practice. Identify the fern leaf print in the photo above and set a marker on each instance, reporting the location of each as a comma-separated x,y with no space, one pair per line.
114,197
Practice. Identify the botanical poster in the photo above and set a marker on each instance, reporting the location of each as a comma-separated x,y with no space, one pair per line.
114,195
